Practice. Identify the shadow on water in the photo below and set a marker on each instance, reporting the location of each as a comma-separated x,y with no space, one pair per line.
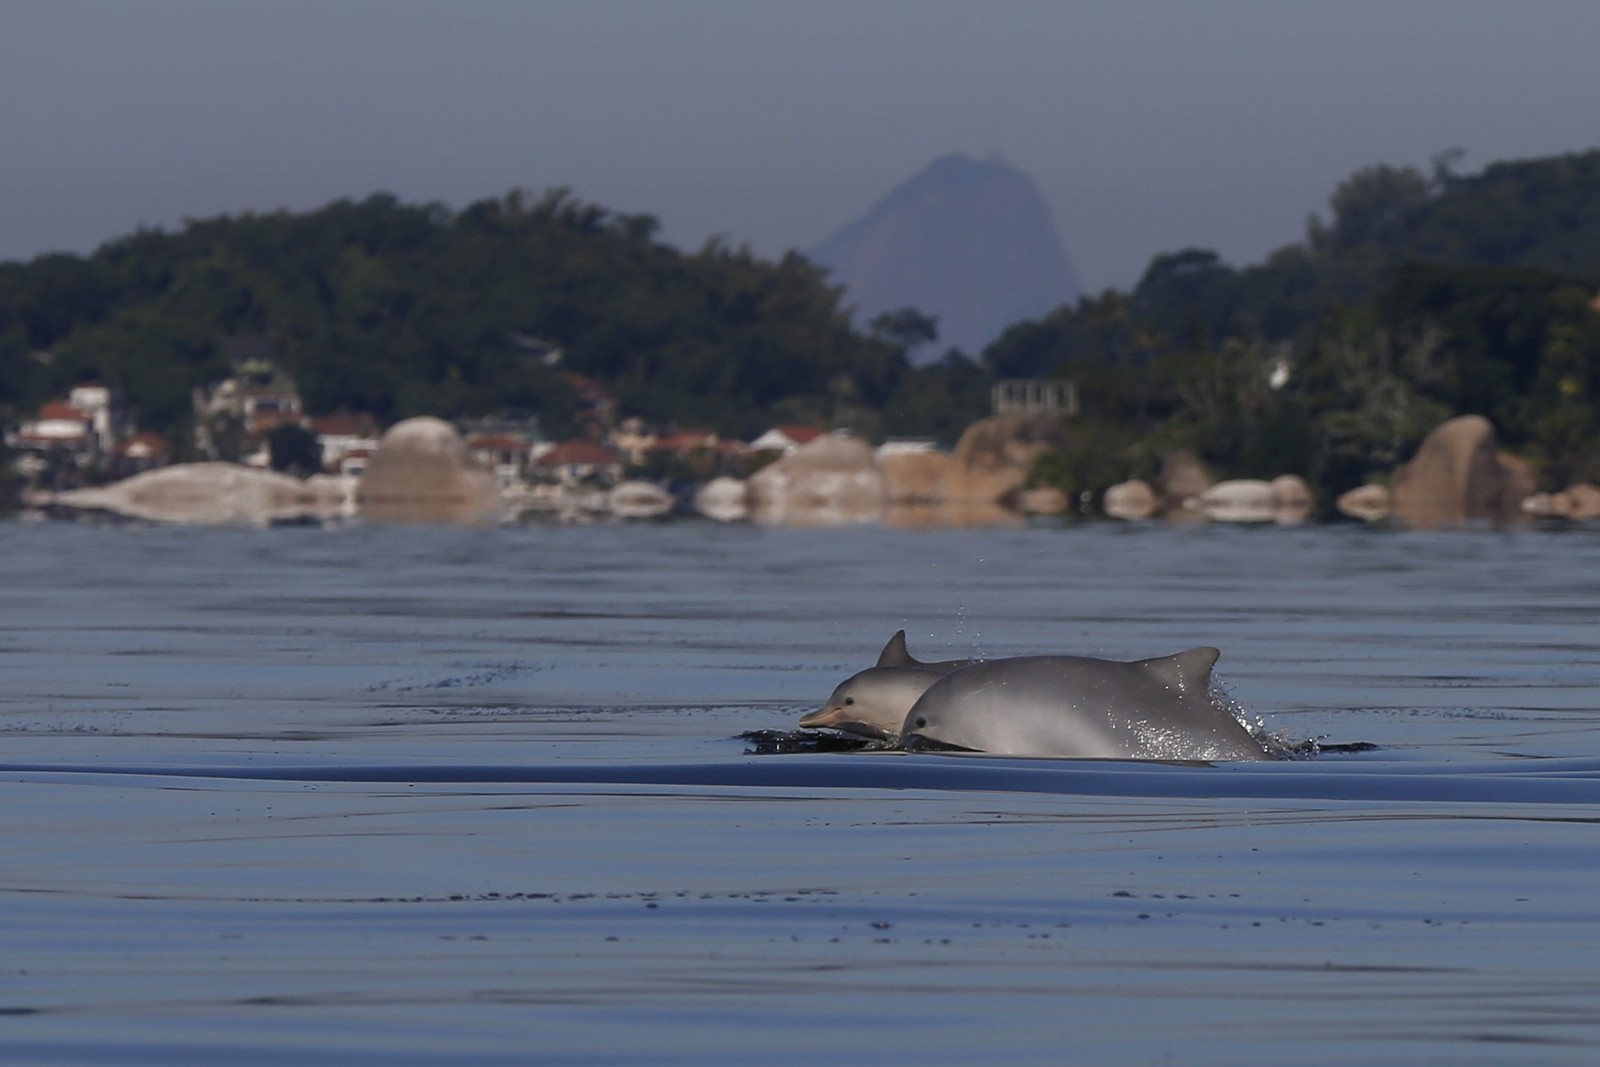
1539,781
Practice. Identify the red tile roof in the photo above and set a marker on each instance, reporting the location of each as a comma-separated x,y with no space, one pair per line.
800,435
583,453
144,445
28,439
497,442
686,441
265,421
60,409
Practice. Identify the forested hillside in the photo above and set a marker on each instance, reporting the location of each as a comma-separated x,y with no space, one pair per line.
398,310
1418,297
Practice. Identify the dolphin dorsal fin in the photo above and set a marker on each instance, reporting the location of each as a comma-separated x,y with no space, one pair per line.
895,653
1189,670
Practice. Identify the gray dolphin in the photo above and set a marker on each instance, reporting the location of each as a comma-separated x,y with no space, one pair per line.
1078,706
895,654
874,702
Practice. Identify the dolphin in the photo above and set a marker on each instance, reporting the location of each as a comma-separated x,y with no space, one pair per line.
895,654
874,702
1078,706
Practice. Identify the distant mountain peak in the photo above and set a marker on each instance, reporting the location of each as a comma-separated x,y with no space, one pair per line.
969,240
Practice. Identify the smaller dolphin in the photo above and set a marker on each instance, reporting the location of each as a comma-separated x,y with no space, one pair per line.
1157,708
895,654
874,702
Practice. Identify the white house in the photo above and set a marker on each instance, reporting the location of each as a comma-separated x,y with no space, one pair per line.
785,439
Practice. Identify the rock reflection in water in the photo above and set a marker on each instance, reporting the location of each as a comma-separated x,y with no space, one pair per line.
422,472
954,514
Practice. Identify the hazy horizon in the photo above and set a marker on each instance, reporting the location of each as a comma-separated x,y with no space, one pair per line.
1149,126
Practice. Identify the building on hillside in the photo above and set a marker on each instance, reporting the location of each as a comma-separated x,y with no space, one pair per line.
59,425
906,446
105,410
1034,396
577,462
633,438
267,409
507,455
701,454
82,439
525,426
353,462
688,442
504,444
71,440
140,453
233,417
55,447
342,434
785,439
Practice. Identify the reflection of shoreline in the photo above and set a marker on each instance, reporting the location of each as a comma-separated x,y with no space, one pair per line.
208,494
950,514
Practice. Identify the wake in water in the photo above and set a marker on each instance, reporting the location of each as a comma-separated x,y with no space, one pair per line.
792,742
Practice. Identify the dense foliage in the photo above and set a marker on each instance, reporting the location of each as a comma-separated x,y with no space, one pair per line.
1421,297
400,310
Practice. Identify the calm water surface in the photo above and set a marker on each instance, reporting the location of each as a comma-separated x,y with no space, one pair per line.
406,795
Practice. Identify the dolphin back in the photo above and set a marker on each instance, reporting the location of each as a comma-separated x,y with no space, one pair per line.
1079,706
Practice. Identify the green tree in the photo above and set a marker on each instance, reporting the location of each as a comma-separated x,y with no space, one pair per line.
906,327
1191,297
1495,329
294,450
1105,329
1229,410
1099,454
1368,390
939,400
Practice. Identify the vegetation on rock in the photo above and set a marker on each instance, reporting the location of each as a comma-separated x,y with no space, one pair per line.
1419,297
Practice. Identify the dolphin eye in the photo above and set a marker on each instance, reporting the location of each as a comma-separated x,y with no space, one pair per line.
921,722
848,701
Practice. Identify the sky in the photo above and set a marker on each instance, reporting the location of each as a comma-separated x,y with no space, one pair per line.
1149,125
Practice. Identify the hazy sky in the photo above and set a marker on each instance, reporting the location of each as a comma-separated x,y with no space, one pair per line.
1150,125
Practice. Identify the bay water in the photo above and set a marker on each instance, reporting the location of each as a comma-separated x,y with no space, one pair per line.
401,795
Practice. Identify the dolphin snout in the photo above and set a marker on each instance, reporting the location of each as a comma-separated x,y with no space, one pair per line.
845,720
826,716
